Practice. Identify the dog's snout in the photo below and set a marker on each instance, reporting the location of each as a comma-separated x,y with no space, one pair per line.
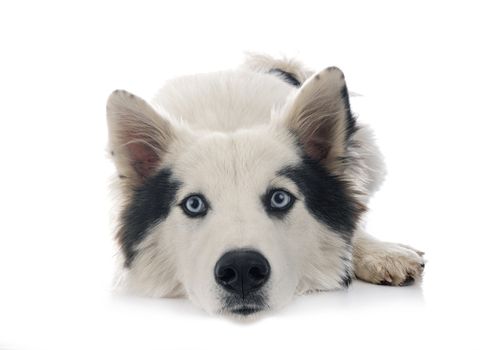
242,271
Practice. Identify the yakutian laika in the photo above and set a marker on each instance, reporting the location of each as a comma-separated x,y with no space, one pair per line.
244,188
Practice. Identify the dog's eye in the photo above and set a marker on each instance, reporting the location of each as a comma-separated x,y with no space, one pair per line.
195,205
280,200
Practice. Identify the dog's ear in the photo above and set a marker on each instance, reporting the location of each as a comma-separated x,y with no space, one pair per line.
138,136
320,117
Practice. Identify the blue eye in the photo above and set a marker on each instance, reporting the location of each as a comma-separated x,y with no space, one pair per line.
195,205
280,200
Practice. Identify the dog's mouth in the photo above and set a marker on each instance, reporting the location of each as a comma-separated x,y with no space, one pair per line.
236,306
245,310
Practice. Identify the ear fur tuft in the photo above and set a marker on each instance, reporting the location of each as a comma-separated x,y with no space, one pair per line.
138,136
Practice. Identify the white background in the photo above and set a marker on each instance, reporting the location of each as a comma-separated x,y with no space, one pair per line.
429,75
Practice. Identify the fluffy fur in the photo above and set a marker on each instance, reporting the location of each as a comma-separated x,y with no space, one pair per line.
233,137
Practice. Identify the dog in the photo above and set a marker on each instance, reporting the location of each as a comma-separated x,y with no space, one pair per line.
243,188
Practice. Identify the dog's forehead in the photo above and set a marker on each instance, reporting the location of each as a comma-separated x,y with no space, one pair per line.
245,158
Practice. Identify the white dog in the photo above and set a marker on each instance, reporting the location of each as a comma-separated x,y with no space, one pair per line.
243,188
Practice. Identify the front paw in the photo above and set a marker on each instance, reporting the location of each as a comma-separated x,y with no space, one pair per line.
389,264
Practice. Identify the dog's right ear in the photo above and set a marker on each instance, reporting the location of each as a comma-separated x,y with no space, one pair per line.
320,117
138,136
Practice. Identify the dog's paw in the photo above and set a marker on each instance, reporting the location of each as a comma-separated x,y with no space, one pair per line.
389,264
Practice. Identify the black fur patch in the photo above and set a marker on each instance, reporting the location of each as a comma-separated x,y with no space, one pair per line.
347,278
346,281
286,76
327,197
150,203
351,121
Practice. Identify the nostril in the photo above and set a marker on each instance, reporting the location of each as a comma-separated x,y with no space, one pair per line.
227,275
257,273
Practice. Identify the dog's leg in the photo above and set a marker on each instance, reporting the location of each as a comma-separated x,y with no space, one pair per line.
385,263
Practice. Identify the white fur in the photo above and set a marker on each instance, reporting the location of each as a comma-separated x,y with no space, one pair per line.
239,118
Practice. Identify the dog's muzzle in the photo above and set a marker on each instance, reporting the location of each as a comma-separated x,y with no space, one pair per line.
241,272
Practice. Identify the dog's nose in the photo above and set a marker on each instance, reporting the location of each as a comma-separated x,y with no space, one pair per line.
242,271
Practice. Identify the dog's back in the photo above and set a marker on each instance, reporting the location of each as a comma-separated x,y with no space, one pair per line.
223,101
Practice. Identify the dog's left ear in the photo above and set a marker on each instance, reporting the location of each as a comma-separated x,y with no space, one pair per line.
320,117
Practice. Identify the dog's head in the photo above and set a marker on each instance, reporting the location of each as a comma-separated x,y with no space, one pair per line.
238,221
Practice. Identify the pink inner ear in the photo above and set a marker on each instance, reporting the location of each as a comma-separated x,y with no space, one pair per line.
144,159
316,149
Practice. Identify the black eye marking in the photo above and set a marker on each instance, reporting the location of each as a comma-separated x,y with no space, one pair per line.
150,204
194,205
278,202
328,197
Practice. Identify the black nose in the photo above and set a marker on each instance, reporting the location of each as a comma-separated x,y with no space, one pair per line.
242,271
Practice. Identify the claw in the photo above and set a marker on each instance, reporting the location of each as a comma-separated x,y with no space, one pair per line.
408,281
385,283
